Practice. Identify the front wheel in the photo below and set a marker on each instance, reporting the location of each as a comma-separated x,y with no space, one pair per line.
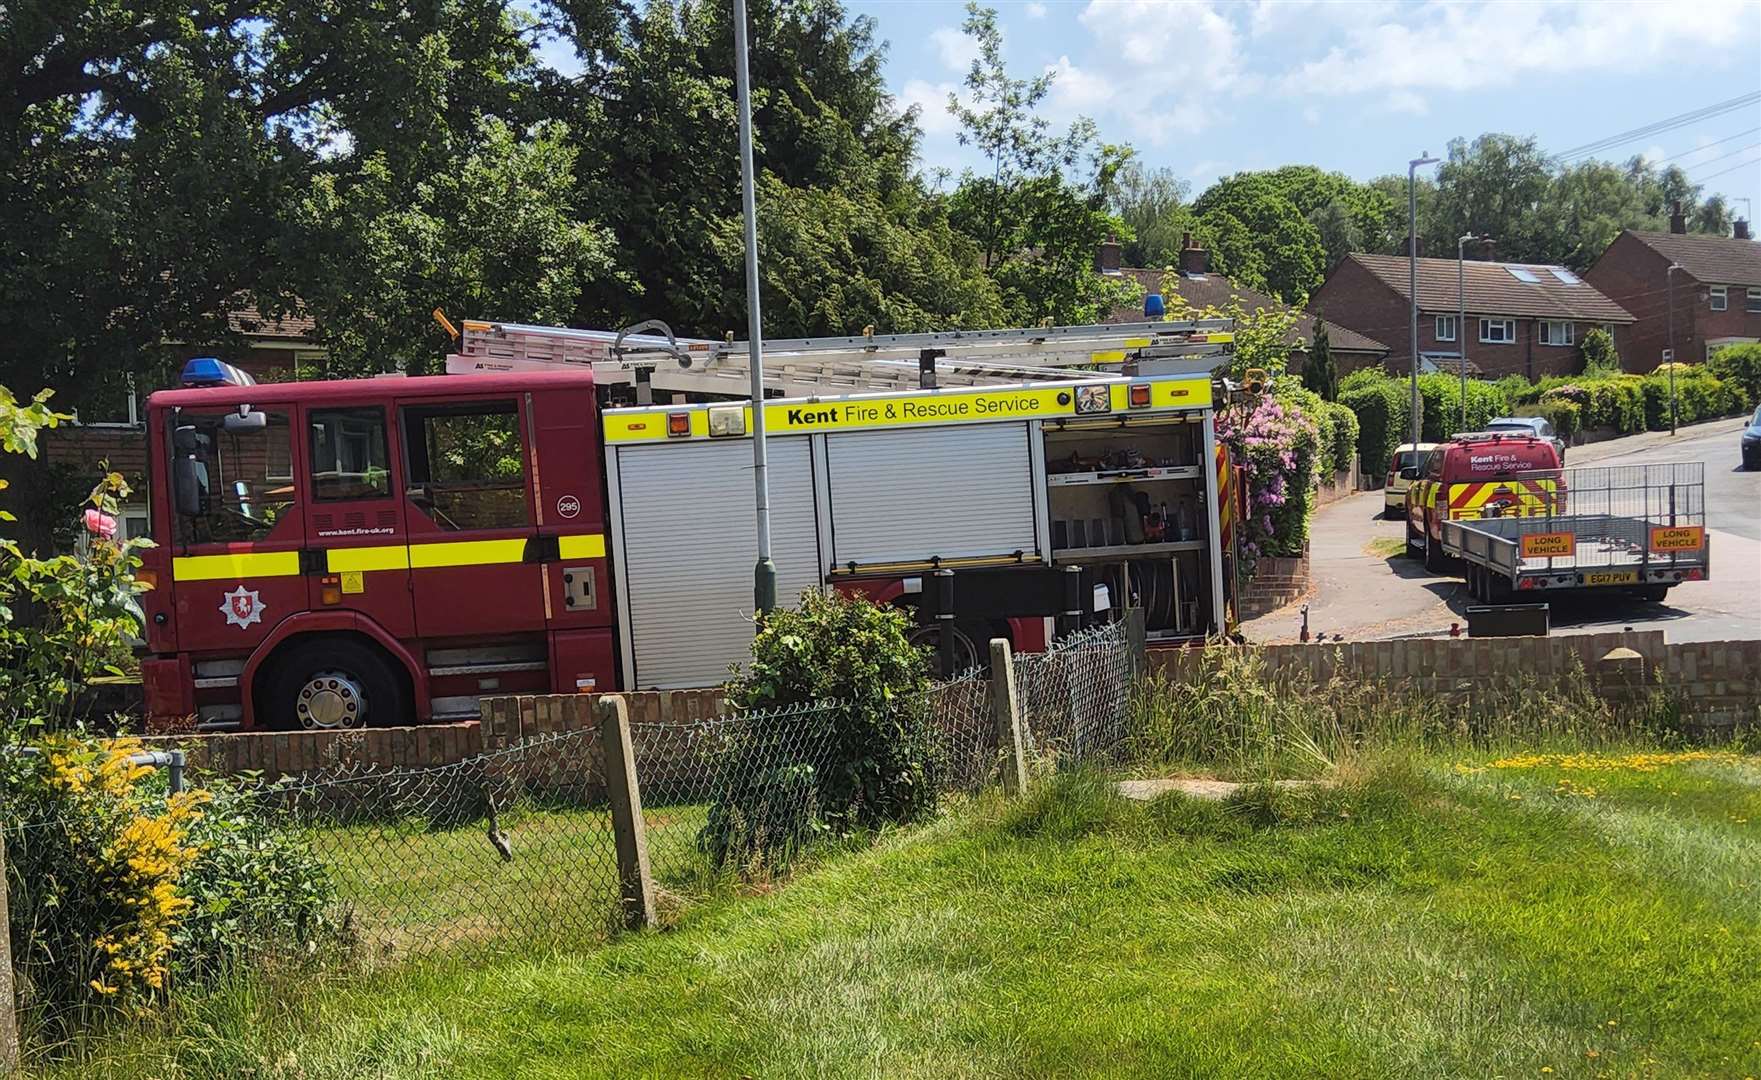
1435,561
331,685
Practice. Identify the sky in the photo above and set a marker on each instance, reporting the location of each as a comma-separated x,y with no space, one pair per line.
1209,87
1212,87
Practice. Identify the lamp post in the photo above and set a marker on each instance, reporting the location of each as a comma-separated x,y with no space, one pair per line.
1669,353
764,574
1461,320
1412,278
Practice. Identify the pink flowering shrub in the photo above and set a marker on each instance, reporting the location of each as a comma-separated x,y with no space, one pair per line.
1277,442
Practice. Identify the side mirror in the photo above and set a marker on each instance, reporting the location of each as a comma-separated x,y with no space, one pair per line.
190,485
1411,472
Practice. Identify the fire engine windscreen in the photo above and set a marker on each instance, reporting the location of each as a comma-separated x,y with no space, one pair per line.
232,475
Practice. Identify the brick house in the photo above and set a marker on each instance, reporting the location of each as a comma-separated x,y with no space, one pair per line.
270,349
1521,319
1716,291
1194,282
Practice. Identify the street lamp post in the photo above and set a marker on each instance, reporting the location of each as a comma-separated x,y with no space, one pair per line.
1412,277
1669,279
764,574
1461,321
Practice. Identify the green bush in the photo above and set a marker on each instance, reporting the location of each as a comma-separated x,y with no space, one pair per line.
1699,396
1565,416
1599,355
1739,366
1440,397
852,662
1365,376
1339,433
1515,392
1380,404
118,888
1617,402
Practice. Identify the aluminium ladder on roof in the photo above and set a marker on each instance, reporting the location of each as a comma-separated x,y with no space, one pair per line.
808,366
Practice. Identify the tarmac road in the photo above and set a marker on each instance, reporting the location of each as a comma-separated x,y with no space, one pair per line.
1369,594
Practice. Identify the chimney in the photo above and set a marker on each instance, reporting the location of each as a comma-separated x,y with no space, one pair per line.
1740,230
1488,247
1193,259
1678,222
1406,246
1109,256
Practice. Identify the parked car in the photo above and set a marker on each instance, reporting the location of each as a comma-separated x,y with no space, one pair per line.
1752,442
1538,426
1407,456
1477,475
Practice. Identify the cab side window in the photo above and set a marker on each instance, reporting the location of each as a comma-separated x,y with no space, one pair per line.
230,475
1434,465
348,454
466,464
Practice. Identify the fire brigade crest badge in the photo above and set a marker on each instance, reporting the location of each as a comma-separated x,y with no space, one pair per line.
242,607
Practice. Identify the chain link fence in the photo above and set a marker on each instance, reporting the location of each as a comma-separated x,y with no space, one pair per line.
516,846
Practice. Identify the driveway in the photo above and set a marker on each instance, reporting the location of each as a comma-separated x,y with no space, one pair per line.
1363,591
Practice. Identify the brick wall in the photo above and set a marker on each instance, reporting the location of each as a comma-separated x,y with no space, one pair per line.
1358,300
1717,681
1637,278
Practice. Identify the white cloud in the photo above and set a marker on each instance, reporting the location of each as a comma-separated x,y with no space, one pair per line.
1405,101
1431,48
1078,91
1170,62
1036,10
932,102
956,49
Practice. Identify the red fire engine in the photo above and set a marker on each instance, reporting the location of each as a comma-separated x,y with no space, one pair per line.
331,554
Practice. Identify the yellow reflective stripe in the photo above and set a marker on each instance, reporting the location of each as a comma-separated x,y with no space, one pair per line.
467,553
583,546
378,557
232,567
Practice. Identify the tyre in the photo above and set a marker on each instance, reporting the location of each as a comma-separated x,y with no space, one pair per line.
332,683
967,652
1435,561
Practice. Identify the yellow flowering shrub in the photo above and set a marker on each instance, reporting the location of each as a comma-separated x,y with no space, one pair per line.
118,888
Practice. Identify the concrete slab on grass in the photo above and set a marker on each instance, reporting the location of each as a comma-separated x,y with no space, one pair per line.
1211,790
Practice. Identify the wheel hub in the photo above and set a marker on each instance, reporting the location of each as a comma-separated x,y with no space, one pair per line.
331,699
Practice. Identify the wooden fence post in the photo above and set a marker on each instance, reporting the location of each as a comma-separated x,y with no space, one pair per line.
1006,712
629,831
8,1019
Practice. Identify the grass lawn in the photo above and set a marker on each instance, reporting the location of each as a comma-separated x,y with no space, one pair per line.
1590,915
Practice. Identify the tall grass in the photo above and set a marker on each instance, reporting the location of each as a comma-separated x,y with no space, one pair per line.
1233,715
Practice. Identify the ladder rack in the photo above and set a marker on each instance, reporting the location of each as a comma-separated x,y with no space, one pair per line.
808,366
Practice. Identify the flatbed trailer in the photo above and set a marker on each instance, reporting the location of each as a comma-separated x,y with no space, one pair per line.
1637,528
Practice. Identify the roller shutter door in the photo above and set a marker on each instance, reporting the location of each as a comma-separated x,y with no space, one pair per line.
955,492
689,543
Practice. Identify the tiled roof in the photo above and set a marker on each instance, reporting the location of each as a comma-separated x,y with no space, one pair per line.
1714,260
247,320
1214,290
1492,289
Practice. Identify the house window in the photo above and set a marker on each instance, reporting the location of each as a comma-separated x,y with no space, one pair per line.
1752,303
1446,328
1557,333
1718,299
1497,331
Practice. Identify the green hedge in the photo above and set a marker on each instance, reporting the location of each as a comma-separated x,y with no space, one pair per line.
1739,366
1565,416
1440,396
1698,396
1380,404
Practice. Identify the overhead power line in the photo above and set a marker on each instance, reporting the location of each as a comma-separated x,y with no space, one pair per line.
1721,157
1704,146
1661,126
1733,168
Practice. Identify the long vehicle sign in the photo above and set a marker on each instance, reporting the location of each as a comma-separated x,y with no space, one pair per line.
1549,545
1678,537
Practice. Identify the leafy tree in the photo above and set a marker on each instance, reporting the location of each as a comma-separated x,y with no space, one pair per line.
1036,227
1262,335
1319,374
1151,203
495,235
1280,230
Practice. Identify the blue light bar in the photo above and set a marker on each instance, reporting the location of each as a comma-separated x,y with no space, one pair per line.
209,371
